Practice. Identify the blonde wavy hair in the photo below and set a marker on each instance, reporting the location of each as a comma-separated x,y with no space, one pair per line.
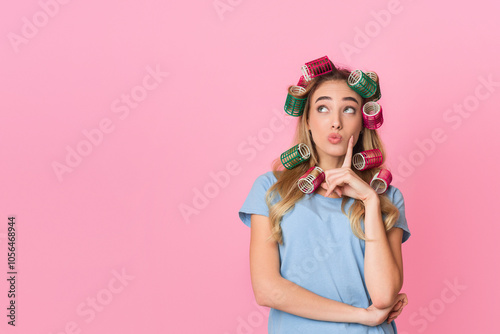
286,185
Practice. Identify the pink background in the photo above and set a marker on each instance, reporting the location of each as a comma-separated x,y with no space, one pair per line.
218,110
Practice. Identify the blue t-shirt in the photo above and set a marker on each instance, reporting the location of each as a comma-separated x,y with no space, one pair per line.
321,254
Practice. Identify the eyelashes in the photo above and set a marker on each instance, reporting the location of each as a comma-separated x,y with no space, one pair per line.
346,108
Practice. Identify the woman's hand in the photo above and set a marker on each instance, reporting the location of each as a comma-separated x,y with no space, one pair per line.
398,307
344,181
375,316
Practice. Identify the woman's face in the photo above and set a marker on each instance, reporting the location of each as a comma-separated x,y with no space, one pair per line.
334,108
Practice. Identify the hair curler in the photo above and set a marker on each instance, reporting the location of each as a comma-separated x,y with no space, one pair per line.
295,155
311,180
316,68
374,77
362,83
381,181
367,159
294,106
372,115
302,82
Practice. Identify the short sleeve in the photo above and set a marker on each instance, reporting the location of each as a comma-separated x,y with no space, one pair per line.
255,203
399,202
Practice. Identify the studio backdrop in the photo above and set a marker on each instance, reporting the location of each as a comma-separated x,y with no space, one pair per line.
132,131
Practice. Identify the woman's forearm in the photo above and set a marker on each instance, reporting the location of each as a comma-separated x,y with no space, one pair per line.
285,295
382,276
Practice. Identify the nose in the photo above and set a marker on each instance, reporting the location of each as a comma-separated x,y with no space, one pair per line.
336,123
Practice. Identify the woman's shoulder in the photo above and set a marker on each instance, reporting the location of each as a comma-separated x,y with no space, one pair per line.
394,194
268,177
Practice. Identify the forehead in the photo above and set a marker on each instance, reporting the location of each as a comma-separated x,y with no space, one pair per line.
337,90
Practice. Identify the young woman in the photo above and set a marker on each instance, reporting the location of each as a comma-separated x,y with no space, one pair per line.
319,269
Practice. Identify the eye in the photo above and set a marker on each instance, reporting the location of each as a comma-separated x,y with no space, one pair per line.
352,109
322,107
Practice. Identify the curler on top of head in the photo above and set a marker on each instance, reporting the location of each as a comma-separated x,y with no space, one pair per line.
362,83
302,82
316,68
374,77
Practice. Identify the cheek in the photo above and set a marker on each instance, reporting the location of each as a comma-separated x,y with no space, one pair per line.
357,122
319,123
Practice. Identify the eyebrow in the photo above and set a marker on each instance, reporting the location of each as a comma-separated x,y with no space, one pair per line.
347,98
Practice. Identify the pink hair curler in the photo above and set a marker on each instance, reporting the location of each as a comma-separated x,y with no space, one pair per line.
372,115
316,68
367,159
311,180
302,82
381,181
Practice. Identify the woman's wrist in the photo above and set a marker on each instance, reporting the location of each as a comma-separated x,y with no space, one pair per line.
371,199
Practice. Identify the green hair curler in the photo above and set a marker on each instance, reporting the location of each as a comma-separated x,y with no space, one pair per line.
295,156
362,83
295,106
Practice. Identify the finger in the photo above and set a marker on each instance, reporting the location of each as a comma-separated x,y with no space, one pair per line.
337,190
330,186
395,308
325,184
393,316
348,155
403,299
330,189
334,185
338,181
